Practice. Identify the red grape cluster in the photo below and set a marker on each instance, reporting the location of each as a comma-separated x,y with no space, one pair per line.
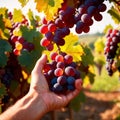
18,42
111,46
61,73
67,17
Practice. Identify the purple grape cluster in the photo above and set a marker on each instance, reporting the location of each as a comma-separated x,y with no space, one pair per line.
18,42
61,73
111,46
81,17
85,14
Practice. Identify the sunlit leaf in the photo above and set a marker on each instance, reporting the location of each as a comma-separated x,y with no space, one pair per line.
115,15
17,15
32,18
3,11
87,57
99,45
49,7
2,23
8,23
71,47
23,2
107,27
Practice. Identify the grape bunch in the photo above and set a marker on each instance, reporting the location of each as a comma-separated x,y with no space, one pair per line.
85,14
111,47
61,73
18,42
81,17
6,78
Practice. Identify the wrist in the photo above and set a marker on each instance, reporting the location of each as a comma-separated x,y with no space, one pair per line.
30,107
34,105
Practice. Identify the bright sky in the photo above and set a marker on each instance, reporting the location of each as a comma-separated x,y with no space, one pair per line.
96,27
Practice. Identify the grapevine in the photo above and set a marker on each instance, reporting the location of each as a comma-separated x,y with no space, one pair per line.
25,39
54,32
112,45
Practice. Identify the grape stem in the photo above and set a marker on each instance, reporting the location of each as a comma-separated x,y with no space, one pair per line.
59,49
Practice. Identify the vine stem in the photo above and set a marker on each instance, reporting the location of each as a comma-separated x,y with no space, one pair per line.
70,113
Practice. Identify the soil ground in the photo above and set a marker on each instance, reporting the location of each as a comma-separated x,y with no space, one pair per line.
98,106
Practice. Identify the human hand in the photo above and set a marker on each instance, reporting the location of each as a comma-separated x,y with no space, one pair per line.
39,85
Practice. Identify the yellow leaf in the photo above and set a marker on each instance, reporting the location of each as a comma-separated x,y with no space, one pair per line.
71,47
2,35
17,15
86,82
8,23
49,7
3,11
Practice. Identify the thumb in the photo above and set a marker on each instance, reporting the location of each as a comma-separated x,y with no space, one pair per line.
40,63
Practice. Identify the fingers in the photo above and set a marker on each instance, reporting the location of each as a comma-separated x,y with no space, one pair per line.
78,85
40,63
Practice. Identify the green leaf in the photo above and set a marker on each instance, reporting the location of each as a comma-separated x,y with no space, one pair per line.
87,57
13,86
3,59
51,3
2,24
4,47
115,15
29,34
17,15
25,59
28,59
2,90
75,104
32,18
23,2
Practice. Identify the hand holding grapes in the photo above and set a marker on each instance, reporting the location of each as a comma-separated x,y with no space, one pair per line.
39,84
39,99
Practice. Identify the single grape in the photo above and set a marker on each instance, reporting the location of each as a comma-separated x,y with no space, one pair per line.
59,58
44,42
62,80
51,27
57,88
71,80
53,81
58,72
68,59
60,65
70,71
53,55
44,29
